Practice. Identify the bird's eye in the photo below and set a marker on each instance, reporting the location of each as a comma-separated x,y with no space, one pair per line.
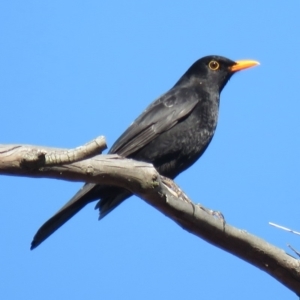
214,65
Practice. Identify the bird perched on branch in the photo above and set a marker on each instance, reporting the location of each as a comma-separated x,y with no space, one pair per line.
172,133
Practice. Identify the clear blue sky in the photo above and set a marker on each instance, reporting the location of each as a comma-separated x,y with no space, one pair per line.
73,70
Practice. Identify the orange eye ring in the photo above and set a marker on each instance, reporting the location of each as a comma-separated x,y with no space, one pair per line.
214,65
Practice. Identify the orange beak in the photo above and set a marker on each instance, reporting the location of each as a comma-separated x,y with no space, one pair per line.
243,64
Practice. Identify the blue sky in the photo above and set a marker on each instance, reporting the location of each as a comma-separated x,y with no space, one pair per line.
73,70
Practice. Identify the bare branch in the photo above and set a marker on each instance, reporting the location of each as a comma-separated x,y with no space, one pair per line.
144,181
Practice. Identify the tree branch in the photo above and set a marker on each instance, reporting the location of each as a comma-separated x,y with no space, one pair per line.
142,179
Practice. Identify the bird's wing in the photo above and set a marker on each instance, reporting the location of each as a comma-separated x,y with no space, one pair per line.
160,116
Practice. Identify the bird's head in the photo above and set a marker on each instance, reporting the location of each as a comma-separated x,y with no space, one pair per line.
214,71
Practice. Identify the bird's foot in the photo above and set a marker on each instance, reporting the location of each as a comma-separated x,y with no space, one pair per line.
175,189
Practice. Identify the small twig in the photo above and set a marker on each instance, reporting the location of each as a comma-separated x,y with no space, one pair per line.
297,252
37,158
284,228
90,149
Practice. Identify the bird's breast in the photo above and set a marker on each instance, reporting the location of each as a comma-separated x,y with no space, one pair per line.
201,124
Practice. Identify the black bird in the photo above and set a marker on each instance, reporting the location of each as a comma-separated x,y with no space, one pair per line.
172,133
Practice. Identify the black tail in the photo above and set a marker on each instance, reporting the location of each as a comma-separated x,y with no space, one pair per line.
81,199
110,196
